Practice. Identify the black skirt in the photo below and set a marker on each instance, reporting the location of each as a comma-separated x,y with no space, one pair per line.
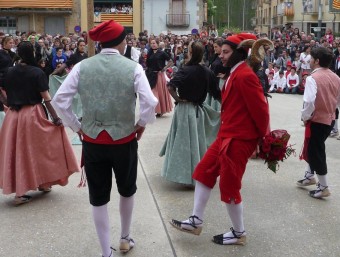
152,77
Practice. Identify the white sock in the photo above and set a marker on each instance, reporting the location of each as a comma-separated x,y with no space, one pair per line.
322,181
201,197
335,127
235,212
125,208
309,172
102,224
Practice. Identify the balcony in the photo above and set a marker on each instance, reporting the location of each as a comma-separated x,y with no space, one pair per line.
122,18
311,7
178,20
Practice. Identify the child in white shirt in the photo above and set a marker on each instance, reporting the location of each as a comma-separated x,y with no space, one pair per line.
292,82
271,82
281,82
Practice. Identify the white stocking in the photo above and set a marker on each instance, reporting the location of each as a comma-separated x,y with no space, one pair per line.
201,197
335,127
235,212
322,181
102,224
309,172
126,207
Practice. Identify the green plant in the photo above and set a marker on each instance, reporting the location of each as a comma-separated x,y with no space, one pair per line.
233,30
211,9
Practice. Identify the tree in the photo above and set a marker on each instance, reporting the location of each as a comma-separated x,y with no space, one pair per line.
235,11
211,9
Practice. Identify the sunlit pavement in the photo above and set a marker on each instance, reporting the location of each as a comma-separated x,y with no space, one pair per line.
280,218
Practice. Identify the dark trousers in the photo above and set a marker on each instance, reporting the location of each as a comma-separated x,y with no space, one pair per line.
316,147
99,162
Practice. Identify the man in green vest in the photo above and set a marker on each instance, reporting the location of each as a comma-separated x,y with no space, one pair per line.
108,84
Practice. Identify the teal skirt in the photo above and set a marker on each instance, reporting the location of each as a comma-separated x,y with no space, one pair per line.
2,117
209,100
192,131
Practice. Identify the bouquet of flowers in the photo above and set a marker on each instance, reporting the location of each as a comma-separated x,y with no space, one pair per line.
274,148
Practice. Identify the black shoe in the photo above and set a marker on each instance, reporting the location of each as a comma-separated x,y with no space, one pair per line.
238,238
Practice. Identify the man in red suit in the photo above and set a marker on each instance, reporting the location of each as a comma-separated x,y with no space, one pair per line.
244,120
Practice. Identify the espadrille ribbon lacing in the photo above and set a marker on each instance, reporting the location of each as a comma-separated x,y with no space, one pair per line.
193,225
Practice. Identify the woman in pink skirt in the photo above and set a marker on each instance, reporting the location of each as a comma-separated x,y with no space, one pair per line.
35,153
155,72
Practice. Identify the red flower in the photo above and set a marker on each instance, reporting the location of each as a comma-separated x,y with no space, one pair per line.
266,148
273,148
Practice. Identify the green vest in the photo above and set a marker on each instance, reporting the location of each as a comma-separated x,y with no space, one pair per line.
106,89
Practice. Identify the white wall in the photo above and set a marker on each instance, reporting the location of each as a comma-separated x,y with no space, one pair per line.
154,16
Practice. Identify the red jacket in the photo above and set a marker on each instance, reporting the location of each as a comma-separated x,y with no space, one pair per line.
244,110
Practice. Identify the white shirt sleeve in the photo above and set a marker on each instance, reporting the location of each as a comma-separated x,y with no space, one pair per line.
287,81
147,100
135,54
62,100
309,99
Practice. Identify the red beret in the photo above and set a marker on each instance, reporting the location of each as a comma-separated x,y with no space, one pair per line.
108,31
294,67
305,73
236,39
289,63
271,72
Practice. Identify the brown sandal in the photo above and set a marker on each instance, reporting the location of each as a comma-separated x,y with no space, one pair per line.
45,189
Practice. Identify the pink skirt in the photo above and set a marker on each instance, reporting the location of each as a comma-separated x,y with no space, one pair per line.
33,152
162,94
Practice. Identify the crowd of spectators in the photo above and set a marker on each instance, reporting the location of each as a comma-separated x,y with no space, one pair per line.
50,51
119,8
286,66
291,55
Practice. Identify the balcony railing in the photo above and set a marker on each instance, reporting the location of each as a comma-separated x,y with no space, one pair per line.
124,19
178,20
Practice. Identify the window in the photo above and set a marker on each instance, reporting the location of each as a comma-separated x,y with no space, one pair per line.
314,28
8,24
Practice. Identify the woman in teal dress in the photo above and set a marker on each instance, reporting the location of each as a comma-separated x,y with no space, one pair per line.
195,124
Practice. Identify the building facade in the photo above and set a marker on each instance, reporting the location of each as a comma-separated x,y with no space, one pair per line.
69,16
179,16
302,14
50,16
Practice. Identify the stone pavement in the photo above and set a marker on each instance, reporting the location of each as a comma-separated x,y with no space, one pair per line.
280,218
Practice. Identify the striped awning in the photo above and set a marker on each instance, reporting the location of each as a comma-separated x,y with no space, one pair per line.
37,4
